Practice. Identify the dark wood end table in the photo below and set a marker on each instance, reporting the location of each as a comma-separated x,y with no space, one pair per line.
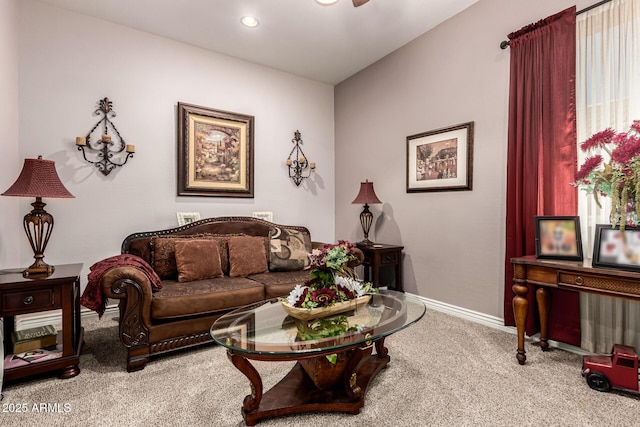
61,290
381,257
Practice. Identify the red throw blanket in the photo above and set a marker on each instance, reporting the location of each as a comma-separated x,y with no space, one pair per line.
93,298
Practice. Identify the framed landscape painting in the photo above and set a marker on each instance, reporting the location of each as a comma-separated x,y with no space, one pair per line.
215,152
441,160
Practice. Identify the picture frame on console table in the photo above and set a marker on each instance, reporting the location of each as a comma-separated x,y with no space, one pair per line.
558,237
441,160
215,152
612,249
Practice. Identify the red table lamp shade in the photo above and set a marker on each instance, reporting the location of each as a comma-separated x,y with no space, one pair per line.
365,196
38,179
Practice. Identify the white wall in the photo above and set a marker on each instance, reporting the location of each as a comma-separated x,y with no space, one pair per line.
11,235
69,61
455,73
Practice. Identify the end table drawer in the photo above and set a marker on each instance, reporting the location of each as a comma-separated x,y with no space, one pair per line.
32,300
389,258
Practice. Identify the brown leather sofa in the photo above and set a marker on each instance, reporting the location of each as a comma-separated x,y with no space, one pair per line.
258,260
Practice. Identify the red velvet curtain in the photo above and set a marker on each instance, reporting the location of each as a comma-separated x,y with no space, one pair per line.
542,154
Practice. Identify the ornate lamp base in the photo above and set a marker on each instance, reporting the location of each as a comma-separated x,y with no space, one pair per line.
38,225
366,218
38,269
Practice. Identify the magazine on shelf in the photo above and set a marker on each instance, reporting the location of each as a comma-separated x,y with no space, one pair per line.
31,356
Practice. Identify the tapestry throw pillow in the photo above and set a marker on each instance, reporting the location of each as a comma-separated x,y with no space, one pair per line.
288,249
247,255
197,259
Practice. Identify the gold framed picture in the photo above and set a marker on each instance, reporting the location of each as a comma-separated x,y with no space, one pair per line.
215,152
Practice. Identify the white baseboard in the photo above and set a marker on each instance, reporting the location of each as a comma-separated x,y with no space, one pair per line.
41,319
34,320
493,322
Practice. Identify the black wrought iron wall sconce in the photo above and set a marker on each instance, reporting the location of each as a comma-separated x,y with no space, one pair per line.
105,153
297,163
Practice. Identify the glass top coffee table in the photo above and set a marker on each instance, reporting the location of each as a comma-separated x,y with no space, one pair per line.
335,359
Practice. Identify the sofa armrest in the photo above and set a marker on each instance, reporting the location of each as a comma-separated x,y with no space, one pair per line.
132,287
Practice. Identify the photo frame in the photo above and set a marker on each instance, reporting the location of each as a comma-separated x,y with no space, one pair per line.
215,152
611,250
558,237
267,216
187,217
441,160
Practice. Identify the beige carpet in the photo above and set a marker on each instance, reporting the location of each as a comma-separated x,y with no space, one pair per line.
444,371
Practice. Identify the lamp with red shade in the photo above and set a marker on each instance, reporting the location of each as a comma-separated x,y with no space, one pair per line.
366,196
38,179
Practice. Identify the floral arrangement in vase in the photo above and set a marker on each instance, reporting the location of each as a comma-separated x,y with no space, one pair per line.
617,178
332,280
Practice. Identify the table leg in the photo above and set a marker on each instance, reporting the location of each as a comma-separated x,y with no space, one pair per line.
350,376
520,308
543,297
251,401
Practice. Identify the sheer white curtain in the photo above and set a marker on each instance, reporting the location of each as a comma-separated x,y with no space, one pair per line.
607,95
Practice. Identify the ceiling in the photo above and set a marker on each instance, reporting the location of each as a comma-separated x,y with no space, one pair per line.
302,37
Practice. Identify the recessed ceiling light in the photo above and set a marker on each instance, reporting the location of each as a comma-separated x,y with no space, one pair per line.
326,2
249,21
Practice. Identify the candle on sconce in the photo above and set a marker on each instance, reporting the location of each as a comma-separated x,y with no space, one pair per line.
80,140
289,162
302,160
106,138
312,165
131,148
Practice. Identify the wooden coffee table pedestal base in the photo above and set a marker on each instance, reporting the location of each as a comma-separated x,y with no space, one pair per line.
297,393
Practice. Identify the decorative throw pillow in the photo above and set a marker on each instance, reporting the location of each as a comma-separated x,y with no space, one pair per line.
197,259
163,259
247,255
288,249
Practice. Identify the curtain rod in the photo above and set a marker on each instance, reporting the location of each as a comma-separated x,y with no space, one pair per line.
504,44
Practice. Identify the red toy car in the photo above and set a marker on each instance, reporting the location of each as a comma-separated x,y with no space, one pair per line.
618,370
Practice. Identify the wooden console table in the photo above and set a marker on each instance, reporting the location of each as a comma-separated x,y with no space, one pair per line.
570,275
61,290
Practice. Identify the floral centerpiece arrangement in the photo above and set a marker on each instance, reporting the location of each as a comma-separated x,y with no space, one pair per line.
617,178
332,279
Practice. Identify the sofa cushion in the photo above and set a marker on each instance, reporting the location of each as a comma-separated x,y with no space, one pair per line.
288,249
279,284
178,300
247,255
197,259
163,258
